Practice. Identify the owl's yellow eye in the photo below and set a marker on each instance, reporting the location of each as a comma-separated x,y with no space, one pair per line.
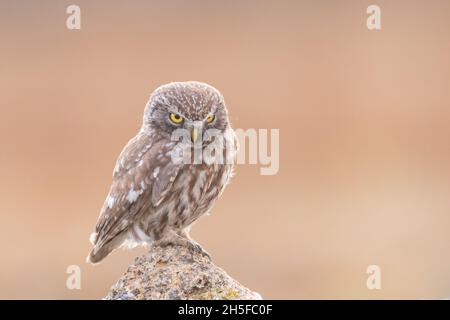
210,118
176,118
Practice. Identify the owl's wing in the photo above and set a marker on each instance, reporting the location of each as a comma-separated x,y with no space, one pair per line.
142,177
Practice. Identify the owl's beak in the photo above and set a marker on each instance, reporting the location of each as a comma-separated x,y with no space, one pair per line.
194,134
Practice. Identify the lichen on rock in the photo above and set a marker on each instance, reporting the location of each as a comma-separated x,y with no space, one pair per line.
177,273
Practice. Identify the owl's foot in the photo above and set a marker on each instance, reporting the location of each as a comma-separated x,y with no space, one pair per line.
196,247
194,244
174,239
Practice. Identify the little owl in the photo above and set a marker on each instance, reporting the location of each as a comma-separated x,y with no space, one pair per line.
155,197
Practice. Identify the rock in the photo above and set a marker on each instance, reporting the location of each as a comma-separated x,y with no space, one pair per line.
175,272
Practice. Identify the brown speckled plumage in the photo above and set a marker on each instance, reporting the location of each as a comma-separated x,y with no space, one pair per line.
152,198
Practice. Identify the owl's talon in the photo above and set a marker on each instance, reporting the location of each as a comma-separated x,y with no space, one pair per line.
199,249
182,241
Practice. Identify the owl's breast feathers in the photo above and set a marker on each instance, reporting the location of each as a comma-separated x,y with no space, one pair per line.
149,187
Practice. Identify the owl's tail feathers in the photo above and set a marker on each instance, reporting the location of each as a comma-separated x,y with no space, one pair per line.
103,246
96,255
99,251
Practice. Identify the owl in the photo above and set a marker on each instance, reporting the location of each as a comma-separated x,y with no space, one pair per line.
156,194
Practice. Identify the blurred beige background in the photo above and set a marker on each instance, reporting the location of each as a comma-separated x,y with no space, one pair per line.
364,127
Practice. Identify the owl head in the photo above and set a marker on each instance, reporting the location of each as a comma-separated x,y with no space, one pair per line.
195,107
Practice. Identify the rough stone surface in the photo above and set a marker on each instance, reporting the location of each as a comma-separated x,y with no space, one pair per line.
177,273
